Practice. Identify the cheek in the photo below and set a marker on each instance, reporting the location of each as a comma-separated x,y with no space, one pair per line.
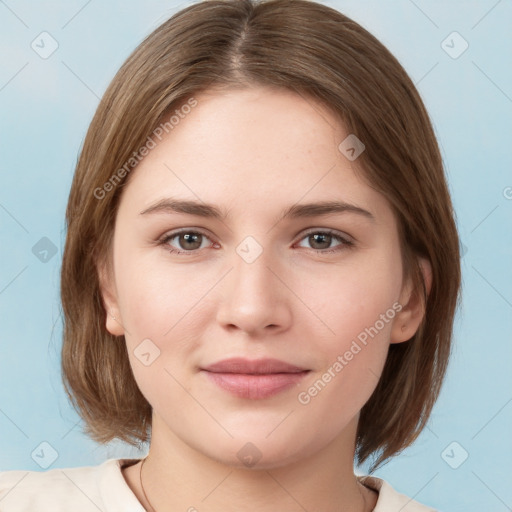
156,303
351,298
351,365
161,304
156,298
357,310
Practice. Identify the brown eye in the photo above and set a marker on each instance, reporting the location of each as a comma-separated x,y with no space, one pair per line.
190,241
184,241
321,241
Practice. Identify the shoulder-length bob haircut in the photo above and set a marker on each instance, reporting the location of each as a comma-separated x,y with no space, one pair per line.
319,53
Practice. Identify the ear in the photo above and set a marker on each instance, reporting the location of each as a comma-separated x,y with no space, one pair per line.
408,320
113,322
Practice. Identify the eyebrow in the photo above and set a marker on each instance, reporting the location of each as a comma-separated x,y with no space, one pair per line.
200,209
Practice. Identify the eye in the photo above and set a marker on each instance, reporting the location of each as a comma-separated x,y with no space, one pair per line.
188,241
320,241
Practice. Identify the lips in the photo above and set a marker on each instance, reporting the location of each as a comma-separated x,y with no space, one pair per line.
256,379
255,367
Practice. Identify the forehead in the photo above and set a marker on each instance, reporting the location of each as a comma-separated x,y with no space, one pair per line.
251,149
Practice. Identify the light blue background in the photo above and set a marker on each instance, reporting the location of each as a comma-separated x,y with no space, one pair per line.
46,106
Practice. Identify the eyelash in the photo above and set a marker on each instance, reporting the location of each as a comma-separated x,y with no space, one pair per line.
345,242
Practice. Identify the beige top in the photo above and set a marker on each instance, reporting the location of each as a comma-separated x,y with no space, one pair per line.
103,488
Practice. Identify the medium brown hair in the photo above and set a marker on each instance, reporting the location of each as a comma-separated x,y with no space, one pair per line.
324,56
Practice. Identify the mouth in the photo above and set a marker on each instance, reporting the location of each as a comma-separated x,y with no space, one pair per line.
256,379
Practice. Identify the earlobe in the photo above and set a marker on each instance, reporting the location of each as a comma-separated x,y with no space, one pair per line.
408,320
113,325
113,322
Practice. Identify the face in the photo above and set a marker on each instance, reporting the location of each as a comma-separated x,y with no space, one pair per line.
318,290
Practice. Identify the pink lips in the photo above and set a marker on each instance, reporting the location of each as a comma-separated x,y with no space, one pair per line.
257,379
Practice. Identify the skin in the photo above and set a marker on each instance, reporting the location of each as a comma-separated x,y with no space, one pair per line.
254,152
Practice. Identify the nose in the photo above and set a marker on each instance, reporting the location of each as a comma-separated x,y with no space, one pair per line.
255,299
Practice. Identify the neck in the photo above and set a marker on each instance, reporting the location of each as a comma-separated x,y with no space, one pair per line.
177,477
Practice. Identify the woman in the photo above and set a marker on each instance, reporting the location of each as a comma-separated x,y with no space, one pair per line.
261,269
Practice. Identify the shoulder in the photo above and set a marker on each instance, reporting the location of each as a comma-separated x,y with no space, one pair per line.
390,500
81,489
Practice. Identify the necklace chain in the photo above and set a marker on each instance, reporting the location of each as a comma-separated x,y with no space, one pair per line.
153,509
142,486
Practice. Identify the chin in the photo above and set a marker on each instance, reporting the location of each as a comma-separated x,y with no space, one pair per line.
258,452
